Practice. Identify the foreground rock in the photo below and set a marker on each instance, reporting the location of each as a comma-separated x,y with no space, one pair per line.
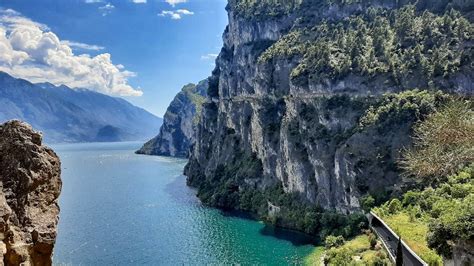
178,131
30,187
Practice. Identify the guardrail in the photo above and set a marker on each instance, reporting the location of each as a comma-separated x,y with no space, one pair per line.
395,236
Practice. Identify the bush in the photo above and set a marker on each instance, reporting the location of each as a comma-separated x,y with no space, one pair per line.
445,211
333,241
339,256
408,106
411,198
443,142
394,206
367,203
372,240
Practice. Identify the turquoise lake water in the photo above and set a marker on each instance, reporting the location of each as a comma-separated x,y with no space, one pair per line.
118,208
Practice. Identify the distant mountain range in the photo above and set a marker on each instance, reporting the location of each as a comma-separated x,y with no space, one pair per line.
73,115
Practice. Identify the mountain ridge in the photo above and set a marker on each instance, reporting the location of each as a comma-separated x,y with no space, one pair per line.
73,115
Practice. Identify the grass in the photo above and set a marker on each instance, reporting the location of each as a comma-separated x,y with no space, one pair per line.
315,257
358,244
358,248
414,234
369,256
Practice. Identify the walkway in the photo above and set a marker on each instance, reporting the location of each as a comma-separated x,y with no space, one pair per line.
390,241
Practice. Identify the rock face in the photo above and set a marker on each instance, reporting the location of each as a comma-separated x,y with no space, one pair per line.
177,134
272,121
463,253
30,187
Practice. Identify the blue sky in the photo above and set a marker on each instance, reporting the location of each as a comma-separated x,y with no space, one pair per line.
155,47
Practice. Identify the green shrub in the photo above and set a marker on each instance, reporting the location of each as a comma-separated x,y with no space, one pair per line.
394,206
367,202
372,240
339,256
333,241
405,107
444,142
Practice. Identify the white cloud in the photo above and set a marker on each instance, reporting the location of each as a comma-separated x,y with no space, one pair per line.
209,56
106,9
83,46
139,1
184,12
10,19
176,14
93,1
175,2
30,51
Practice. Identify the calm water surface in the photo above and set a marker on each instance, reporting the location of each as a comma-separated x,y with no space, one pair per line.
122,208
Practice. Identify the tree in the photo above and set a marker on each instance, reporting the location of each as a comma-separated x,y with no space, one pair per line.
394,206
334,241
367,203
372,240
399,259
443,143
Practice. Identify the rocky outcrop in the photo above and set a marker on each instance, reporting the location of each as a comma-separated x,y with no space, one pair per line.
30,187
463,253
279,107
177,133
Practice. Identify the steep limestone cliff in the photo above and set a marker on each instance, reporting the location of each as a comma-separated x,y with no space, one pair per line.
177,133
30,187
292,83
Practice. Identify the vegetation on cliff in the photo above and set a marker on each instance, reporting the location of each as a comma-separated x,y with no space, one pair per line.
405,107
290,211
254,9
441,214
318,118
397,43
444,142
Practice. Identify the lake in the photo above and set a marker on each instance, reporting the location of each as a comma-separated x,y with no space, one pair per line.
121,208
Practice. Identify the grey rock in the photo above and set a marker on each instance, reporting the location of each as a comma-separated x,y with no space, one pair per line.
29,190
302,135
177,133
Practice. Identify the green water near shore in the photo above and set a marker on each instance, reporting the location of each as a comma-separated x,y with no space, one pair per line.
120,208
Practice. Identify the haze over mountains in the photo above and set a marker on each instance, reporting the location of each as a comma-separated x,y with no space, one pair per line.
74,115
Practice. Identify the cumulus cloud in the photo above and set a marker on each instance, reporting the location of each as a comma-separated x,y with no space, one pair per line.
29,50
93,1
176,14
139,1
175,2
83,46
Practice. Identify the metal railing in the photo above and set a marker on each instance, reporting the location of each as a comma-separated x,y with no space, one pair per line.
395,236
